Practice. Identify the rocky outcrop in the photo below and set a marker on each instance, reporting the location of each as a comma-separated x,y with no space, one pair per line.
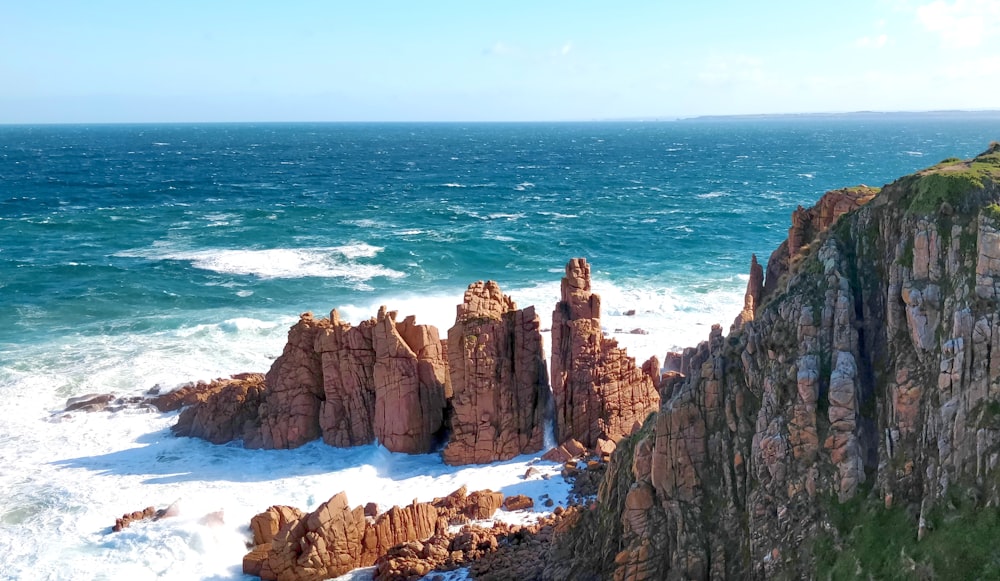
498,378
351,385
225,410
597,388
502,551
865,381
334,539
807,224
411,384
755,288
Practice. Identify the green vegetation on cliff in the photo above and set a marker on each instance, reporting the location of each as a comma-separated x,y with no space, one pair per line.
951,179
870,541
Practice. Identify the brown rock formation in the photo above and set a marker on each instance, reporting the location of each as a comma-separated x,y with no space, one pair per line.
381,379
334,539
289,412
148,513
755,287
347,355
807,224
411,384
224,410
498,376
868,374
598,390
497,553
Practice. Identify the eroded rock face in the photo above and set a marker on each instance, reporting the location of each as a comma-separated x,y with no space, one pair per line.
598,390
334,539
351,385
498,378
223,410
868,367
411,384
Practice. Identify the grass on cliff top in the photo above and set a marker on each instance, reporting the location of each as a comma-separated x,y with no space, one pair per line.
879,543
950,180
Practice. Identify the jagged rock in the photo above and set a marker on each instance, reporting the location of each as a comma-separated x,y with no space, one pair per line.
347,355
267,524
755,288
411,384
565,452
148,513
868,367
289,412
223,410
598,390
380,380
498,377
128,518
334,539
91,402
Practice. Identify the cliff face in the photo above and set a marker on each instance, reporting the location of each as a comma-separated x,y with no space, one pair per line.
862,379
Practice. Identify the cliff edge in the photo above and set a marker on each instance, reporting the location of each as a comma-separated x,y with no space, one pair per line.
849,425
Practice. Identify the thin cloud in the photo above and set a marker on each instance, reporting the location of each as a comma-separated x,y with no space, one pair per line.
962,23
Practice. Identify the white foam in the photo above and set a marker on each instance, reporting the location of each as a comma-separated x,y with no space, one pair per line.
326,262
65,479
67,476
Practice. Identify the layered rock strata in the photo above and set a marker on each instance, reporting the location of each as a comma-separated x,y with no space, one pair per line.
498,377
866,370
598,390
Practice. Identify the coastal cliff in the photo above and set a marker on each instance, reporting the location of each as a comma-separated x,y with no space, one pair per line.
849,424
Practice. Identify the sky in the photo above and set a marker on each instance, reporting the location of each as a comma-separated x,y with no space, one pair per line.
471,60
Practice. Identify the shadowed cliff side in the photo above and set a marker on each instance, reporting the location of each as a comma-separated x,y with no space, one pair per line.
850,423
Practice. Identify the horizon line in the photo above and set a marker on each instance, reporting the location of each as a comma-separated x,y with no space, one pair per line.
633,119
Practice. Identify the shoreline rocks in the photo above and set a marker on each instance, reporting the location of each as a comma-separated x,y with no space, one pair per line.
598,390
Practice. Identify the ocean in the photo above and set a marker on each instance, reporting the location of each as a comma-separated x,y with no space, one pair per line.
134,256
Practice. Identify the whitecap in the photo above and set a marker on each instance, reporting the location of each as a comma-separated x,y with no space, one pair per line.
329,262
711,195
504,216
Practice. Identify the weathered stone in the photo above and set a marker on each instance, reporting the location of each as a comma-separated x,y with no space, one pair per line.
598,390
498,378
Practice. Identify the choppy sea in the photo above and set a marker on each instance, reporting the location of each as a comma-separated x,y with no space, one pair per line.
134,256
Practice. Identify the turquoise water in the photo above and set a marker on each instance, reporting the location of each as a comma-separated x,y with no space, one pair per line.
136,229
134,256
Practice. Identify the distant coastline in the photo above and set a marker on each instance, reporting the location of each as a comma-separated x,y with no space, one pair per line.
853,116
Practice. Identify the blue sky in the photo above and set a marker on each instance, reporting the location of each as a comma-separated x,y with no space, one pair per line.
115,61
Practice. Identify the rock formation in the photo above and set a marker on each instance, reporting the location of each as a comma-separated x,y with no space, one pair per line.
498,376
289,545
598,390
865,386
351,385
